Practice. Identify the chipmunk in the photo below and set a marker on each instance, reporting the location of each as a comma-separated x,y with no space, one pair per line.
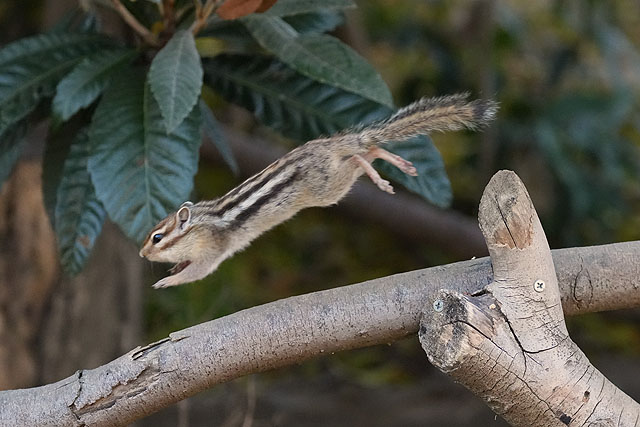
198,237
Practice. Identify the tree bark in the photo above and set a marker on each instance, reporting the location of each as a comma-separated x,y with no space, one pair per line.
508,343
292,330
97,315
28,274
50,324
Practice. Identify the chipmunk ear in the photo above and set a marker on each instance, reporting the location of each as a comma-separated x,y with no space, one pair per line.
183,216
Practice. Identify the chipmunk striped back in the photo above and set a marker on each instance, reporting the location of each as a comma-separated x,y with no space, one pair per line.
198,237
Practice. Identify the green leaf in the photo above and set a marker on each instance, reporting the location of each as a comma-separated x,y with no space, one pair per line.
66,22
296,7
139,171
11,143
175,78
432,182
212,129
293,104
320,22
31,68
208,47
79,215
235,38
304,109
55,153
319,56
87,81
232,32
77,20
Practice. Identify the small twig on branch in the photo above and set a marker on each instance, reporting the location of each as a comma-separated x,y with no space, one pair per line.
169,15
131,20
205,11
197,4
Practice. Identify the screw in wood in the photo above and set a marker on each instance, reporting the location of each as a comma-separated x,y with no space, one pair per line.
438,305
539,285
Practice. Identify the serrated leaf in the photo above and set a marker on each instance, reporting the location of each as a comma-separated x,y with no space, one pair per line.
432,182
31,68
319,22
139,171
212,129
293,104
296,7
66,22
319,56
208,47
234,37
175,78
87,80
304,109
77,20
79,215
55,154
11,143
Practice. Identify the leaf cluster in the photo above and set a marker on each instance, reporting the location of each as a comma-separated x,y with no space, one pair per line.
126,121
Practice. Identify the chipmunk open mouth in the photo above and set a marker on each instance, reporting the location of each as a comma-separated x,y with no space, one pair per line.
179,267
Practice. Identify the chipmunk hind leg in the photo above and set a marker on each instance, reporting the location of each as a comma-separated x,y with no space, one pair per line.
382,184
380,153
364,161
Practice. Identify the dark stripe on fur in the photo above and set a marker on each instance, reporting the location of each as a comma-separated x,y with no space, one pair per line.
254,183
264,199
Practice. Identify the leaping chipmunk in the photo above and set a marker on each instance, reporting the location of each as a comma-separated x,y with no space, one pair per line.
198,237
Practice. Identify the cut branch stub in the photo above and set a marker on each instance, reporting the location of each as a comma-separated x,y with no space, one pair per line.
509,344
524,278
452,334
471,340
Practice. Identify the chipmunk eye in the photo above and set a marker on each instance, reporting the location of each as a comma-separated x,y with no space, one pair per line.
157,237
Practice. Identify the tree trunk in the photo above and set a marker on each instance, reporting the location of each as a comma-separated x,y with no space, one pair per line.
50,325
97,315
28,274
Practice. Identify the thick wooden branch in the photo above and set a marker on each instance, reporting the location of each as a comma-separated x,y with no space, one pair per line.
508,343
296,329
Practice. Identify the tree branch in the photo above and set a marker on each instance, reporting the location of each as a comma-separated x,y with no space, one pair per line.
131,20
509,344
202,14
296,329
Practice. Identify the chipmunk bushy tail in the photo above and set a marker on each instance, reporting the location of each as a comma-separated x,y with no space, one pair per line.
428,115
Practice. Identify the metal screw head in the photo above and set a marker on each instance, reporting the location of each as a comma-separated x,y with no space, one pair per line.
438,305
539,285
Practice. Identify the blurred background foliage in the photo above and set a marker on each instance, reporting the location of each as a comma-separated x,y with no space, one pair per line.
567,76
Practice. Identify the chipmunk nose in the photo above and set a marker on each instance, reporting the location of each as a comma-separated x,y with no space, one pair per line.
141,253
